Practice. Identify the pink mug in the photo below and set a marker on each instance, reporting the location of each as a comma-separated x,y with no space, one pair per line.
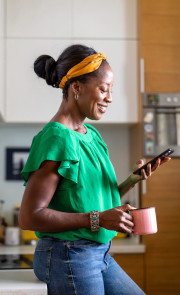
145,221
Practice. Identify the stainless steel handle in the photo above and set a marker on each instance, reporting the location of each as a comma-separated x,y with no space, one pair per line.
142,86
168,111
144,189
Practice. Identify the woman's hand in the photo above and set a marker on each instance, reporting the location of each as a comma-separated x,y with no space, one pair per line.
117,219
145,174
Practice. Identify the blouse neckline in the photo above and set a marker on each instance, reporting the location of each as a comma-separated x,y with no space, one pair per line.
86,137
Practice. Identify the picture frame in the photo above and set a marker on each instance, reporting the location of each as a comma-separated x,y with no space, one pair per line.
16,158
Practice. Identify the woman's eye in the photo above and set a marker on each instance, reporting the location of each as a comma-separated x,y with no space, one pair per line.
103,90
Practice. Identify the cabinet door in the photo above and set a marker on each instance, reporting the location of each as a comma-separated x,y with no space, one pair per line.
133,265
122,57
163,256
2,55
77,18
42,18
29,98
105,19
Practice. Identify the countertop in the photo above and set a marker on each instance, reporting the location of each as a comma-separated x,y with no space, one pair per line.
21,282
119,246
130,245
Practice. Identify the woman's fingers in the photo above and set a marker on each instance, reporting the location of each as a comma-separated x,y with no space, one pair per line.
149,170
128,223
156,165
126,220
117,219
139,163
126,207
125,229
166,159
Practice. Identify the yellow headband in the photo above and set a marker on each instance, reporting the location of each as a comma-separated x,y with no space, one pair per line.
87,65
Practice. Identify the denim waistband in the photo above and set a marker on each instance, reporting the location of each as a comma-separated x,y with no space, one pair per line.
81,242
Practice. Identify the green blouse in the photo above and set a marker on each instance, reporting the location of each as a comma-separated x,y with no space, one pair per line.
88,182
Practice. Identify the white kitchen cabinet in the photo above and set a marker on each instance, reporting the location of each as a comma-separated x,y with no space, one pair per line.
2,61
72,18
29,98
100,19
39,18
123,59
47,27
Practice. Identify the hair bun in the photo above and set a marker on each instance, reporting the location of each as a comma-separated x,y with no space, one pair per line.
45,67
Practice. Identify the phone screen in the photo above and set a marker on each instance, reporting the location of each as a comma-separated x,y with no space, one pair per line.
161,156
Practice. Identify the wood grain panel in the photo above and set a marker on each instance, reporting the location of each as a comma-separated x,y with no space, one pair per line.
133,265
159,32
160,7
160,82
160,44
162,277
162,67
161,58
163,249
160,29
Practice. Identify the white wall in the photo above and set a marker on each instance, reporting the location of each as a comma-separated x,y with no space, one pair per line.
2,60
115,136
12,136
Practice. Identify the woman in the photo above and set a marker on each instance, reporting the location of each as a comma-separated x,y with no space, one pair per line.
72,199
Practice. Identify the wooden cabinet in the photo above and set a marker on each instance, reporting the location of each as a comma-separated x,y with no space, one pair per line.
133,265
159,46
159,23
32,31
162,249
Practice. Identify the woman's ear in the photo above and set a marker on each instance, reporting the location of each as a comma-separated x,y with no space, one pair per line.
75,86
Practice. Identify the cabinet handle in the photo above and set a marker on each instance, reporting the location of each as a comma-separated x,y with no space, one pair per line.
144,189
142,86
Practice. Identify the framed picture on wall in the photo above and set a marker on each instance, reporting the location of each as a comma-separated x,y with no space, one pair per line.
15,161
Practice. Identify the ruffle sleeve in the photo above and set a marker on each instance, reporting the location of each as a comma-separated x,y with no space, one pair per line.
55,144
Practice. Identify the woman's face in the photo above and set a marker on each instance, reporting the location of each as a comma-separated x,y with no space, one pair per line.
95,95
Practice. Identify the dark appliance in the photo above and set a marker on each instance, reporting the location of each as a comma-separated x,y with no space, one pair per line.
161,123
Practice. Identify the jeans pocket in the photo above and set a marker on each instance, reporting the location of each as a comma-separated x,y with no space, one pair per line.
41,263
83,243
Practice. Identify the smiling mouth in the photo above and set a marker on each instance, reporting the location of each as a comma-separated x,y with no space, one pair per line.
102,109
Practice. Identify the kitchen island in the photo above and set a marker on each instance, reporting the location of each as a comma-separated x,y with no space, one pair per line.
21,282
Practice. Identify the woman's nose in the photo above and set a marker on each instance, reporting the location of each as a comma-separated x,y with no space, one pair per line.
109,97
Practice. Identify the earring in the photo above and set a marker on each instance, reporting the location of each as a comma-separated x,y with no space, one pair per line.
76,96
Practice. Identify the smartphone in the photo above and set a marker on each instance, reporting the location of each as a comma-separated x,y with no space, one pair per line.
166,153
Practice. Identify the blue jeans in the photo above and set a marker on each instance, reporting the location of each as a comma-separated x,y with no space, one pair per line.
80,268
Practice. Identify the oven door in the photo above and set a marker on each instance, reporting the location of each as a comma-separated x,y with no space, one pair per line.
161,130
168,129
